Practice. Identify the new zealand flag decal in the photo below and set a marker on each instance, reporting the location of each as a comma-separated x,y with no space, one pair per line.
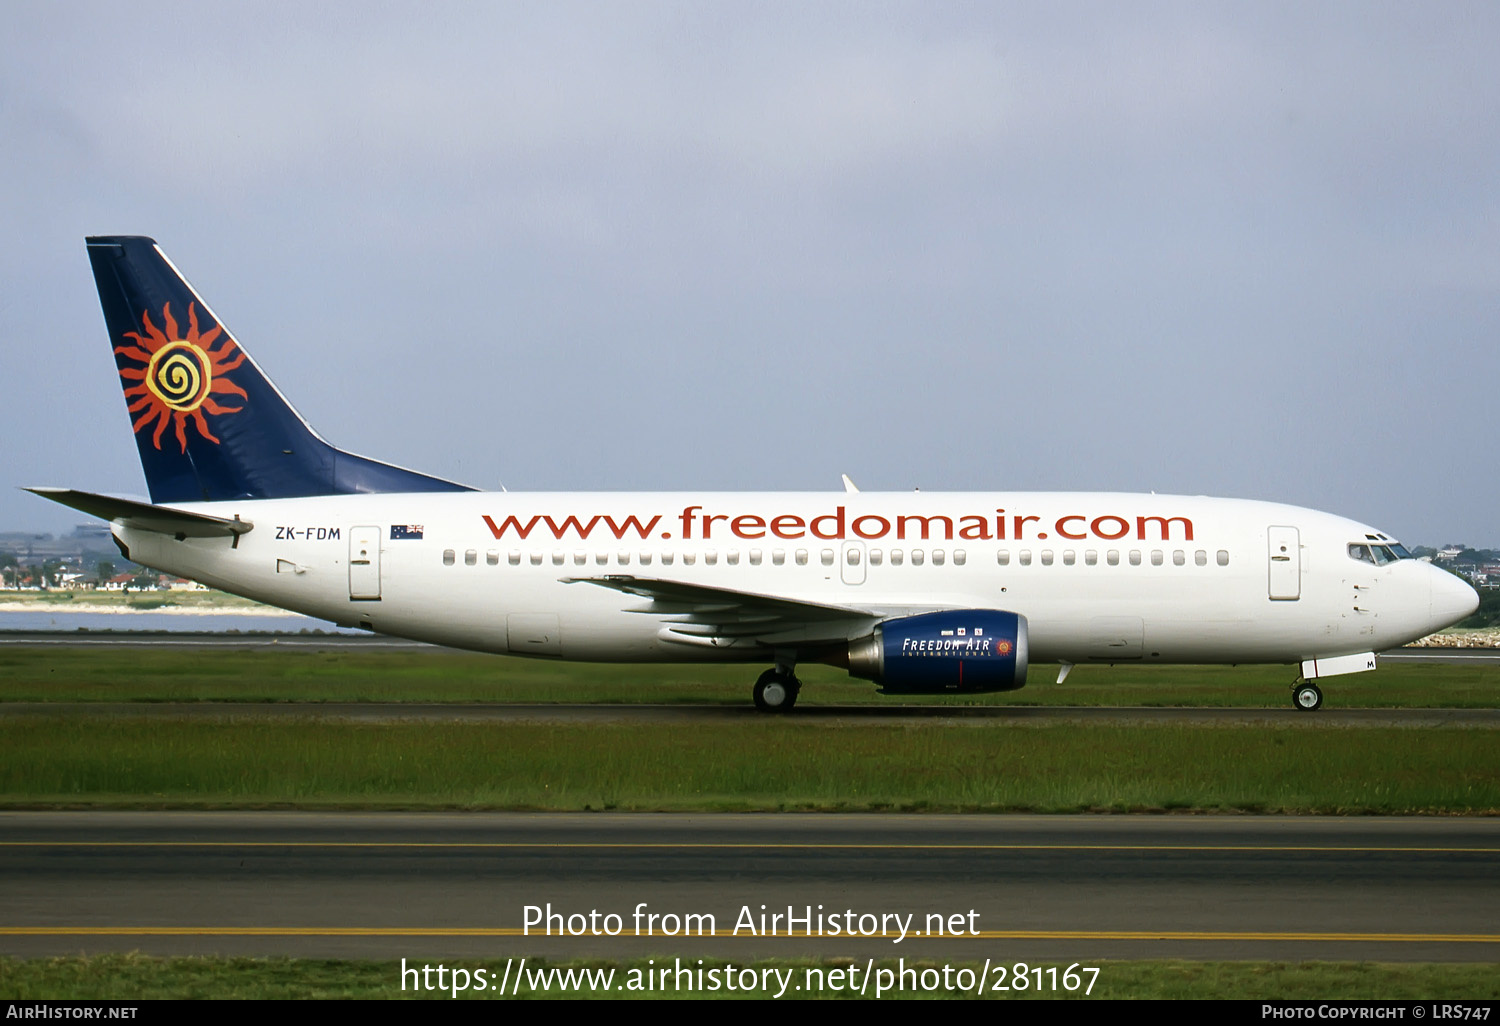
406,532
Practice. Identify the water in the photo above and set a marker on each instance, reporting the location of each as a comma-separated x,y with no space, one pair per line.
55,620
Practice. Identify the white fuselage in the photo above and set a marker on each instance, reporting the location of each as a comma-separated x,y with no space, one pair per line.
1099,576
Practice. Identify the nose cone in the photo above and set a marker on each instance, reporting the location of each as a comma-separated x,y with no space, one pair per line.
1452,599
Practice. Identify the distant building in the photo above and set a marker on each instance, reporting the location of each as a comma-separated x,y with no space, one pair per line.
182,584
119,582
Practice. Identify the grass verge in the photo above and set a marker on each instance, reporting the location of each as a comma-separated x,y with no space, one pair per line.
127,762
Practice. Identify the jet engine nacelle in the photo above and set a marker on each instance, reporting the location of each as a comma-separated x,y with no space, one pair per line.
969,650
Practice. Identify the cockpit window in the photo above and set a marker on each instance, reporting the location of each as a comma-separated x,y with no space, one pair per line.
1380,555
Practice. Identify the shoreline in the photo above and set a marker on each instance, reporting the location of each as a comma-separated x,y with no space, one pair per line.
65,608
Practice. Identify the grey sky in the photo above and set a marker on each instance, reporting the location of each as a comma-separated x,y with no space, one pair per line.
1242,249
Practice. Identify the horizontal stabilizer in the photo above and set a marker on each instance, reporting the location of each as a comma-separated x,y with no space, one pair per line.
144,516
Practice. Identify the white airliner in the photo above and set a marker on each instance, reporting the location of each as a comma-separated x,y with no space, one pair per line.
919,592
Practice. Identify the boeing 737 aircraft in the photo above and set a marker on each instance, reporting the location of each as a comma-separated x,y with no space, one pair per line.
919,592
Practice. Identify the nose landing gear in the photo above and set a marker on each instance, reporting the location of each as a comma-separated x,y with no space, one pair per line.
1307,696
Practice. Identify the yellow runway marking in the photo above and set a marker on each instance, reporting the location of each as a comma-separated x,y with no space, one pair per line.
512,931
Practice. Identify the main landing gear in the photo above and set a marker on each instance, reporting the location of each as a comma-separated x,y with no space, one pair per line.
776,690
1307,696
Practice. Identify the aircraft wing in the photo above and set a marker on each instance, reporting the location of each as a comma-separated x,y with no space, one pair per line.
144,516
699,614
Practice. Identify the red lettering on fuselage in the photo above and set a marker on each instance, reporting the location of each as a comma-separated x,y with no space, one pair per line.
838,525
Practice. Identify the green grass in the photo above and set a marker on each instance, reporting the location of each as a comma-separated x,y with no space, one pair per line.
137,977
758,764
61,674
1304,765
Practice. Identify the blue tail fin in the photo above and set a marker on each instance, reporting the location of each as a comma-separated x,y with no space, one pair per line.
208,423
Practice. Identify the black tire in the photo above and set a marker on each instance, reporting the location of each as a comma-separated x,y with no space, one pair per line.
776,693
1307,697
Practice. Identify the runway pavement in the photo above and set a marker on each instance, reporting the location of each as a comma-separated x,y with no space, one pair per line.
1046,890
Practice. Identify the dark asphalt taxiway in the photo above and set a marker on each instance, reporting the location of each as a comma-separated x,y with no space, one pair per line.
1039,889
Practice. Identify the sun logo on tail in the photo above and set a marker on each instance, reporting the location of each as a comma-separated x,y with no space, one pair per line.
178,376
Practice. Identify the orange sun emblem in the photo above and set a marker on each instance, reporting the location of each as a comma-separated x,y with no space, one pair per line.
179,375
1002,648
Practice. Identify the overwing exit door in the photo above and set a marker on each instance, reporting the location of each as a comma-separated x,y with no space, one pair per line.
853,565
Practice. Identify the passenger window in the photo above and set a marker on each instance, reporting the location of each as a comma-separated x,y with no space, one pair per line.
667,558
622,558
514,556
1091,557
645,558
897,557
1156,557
492,558
851,556
732,557
471,557
876,557
755,557
1003,557
1046,557
558,558
1179,558
447,557
960,557
827,557
1223,557
937,557
601,558
711,558
1068,557
778,557
917,558
1112,557
1135,557
689,558
801,557
580,558
1200,558
1024,557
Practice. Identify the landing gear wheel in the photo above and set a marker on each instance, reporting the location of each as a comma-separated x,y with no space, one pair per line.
776,692
1307,697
